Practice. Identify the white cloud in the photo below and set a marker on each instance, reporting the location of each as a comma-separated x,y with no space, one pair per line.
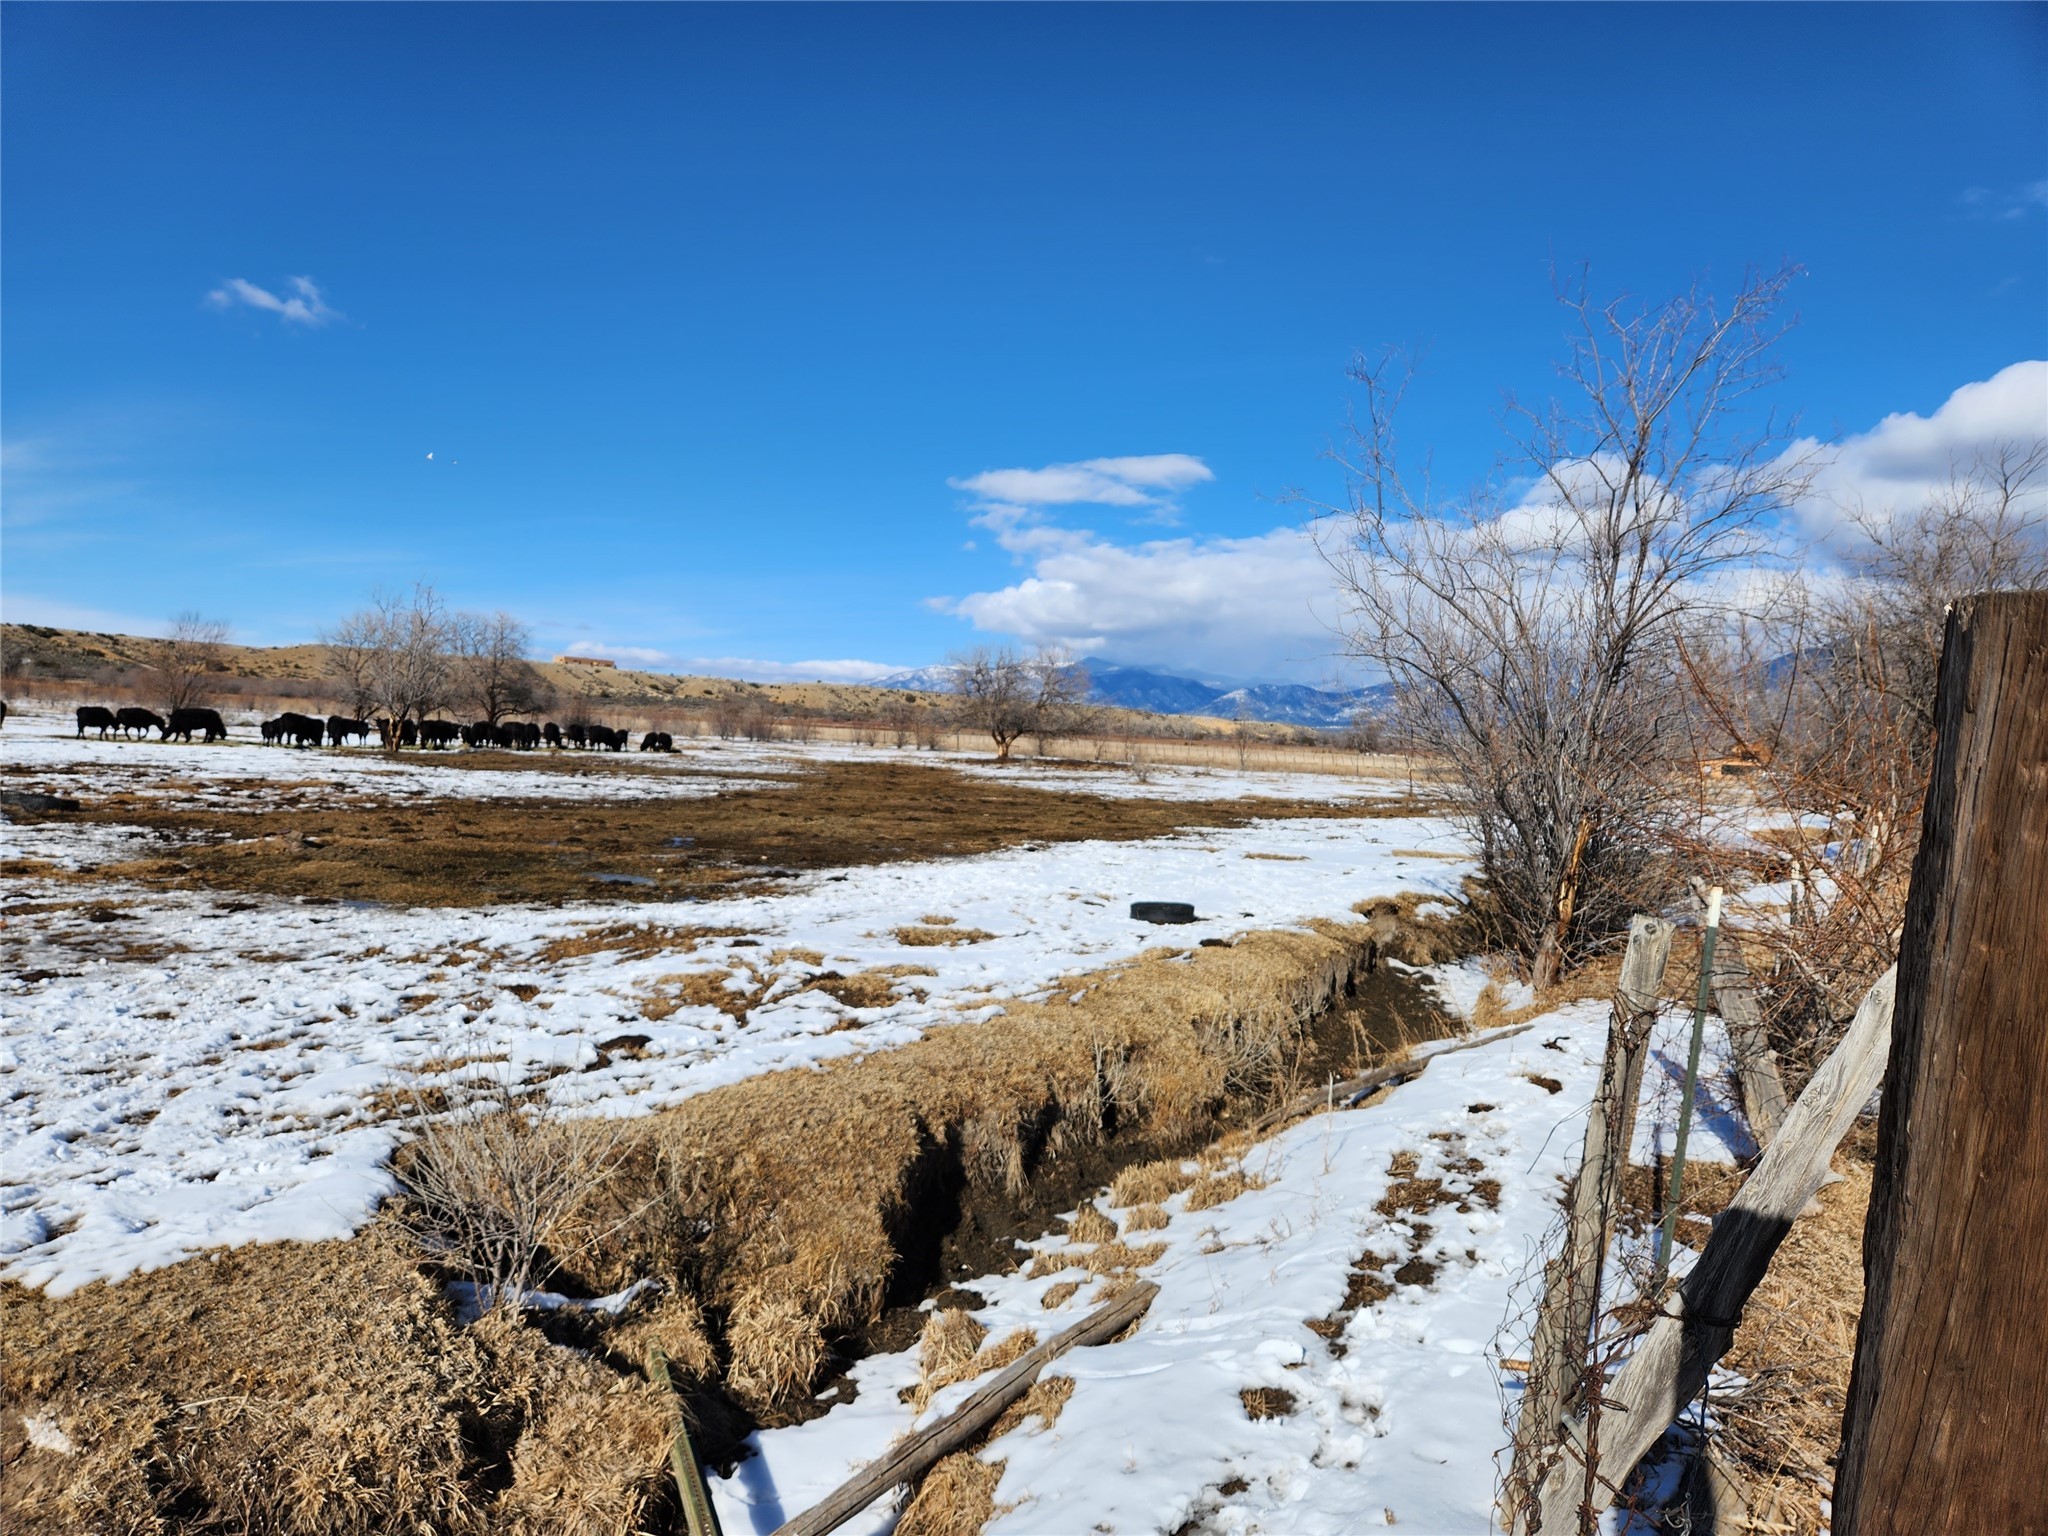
305,304
751,668
1140,480
1906,459
2005,204
758,671
1257,605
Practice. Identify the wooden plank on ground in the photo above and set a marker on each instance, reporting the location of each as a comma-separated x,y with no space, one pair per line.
1756,1064
1947,1423
918,1452
1670,1362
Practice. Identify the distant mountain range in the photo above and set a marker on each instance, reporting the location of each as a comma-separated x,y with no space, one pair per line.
1173,693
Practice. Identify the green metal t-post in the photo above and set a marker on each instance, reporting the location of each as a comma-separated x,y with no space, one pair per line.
1692,1081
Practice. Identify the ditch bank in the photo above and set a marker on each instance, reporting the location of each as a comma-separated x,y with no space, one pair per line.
795,1222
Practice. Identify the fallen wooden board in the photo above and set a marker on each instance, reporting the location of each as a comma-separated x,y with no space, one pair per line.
919,1451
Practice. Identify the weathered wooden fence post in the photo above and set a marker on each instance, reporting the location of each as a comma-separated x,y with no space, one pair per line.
1669,1363
1571,1281
1947,1422
1756,1064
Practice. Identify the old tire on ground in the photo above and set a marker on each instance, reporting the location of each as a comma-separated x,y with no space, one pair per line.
1163,911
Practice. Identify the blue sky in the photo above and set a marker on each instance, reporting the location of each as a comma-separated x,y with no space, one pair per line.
711,317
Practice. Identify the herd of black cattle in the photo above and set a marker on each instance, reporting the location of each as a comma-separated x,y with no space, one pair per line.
338,730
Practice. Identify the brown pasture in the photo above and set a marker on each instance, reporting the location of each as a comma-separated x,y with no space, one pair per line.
463,852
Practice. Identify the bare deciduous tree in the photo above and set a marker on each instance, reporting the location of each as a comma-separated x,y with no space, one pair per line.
1829,691
493,676
189,661
1010,696
397,655
1532,644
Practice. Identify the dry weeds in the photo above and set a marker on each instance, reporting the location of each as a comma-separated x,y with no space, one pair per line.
956,1498
1796,1345
919,936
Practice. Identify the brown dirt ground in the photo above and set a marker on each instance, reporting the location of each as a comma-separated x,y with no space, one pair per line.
467,852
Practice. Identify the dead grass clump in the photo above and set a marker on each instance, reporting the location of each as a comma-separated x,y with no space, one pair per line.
869,989
948,1353
709,989
949,1340
1219,1187
1266,1402
1151,1183
929,936
1145,1218
313,1388
1059,1295
1795,1346
1119,1258
1090,1226
1044,1402
795,956
777,1346
956,1498
632,940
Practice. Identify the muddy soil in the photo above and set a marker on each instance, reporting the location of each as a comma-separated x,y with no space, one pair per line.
458,852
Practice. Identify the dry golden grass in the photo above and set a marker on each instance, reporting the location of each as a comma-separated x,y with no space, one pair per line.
930,936
1796,1346
1059,1295
1147,1184
1219,1187
1090,1226
316,1388
1119,1258
468,852
1145,1218
1044,1402
956,1498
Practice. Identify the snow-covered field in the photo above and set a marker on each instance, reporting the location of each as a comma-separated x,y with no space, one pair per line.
181,1070
1396,1425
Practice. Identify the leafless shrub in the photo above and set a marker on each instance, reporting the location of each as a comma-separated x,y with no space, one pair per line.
501,1190
1531,642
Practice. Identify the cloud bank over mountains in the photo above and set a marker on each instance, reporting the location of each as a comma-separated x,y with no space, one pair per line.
1264,604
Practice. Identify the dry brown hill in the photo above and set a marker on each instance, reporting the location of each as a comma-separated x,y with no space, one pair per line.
38,653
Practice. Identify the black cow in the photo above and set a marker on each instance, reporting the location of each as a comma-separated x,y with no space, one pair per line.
340,728
184,722
300,730
551,733
138,720
657,741
611,740
270,731
439,733
577,735
95,717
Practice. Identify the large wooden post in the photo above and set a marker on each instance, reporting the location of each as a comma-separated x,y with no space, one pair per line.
1947,1423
